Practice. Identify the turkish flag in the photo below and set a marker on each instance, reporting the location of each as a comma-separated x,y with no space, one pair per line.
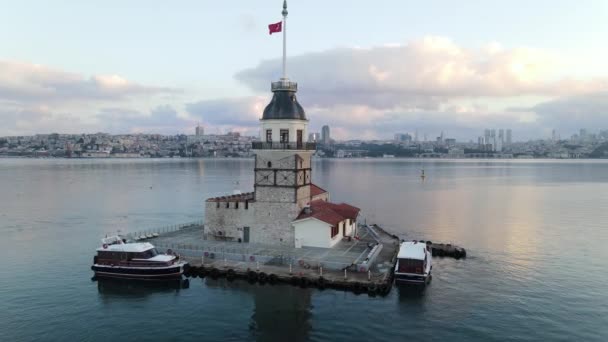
278,27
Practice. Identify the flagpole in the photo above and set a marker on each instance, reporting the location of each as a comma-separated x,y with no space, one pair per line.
284,40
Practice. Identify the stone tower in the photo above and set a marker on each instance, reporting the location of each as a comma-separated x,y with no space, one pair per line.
282,168
282,183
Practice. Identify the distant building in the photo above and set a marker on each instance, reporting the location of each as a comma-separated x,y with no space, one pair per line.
509,138
200,130
403,137
583,134
314,137
325,137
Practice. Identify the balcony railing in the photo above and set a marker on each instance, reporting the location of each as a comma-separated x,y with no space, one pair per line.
260,145
284,85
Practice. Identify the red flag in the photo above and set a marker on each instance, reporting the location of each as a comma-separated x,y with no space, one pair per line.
278,27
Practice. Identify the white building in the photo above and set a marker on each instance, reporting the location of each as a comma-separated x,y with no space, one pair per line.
323,224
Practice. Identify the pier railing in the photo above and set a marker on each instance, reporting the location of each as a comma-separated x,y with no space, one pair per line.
147,233
256,257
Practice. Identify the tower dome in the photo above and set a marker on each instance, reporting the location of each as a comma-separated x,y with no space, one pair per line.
284,104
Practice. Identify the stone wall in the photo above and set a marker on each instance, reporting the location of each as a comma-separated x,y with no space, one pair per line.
273,223
227,223
269,223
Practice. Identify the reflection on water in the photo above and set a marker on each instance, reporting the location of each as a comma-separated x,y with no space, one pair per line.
123,288
410,293
280,312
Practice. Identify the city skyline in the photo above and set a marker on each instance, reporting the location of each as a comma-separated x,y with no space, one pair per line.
397,73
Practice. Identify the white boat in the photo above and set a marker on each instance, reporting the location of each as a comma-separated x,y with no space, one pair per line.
414,263
117,258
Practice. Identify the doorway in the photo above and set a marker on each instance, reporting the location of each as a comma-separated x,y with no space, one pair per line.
245,234
299,138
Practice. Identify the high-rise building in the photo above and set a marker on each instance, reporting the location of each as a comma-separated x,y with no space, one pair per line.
326,139
200,130
509,138
501,140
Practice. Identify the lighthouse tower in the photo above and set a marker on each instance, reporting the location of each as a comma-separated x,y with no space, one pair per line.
282,157
285,208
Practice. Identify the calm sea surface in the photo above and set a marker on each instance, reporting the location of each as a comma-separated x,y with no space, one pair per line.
536,233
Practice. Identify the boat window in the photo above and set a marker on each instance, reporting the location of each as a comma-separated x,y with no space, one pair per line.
410,266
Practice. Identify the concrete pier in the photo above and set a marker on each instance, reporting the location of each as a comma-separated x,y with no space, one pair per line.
365,264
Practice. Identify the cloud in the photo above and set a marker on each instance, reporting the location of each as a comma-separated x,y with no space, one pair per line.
420,75
568,114
22,82
36,98
243,111
163,119
430,85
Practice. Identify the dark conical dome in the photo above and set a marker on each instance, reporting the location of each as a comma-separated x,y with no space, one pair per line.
284,106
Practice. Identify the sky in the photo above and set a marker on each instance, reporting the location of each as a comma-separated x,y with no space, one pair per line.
368,69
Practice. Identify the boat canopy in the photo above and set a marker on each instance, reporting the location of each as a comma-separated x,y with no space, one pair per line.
412,250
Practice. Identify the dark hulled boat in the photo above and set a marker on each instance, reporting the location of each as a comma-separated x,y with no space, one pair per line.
117,258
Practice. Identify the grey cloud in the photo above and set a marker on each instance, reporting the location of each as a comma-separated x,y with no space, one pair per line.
28,83
244,111
568,114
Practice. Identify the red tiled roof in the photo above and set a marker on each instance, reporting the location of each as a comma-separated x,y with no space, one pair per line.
316,190
331,213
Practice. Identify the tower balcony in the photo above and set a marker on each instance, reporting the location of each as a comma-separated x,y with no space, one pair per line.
284,86
305,146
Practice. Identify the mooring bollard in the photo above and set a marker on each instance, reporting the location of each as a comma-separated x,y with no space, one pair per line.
202,260
369,275
321,271
290,269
